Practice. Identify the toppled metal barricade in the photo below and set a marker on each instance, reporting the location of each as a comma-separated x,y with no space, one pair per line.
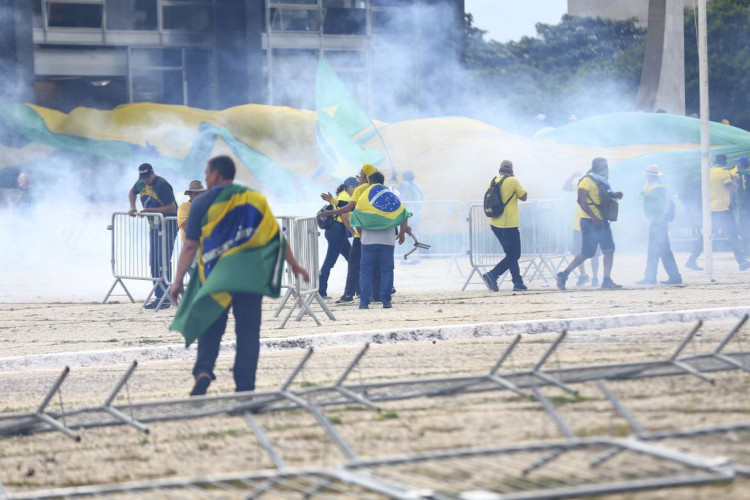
575,466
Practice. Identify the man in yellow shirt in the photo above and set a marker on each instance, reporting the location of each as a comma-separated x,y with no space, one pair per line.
506,231
722,185
183,211
595,229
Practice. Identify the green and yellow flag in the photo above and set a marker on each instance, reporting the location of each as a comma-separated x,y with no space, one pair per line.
379,208
241,250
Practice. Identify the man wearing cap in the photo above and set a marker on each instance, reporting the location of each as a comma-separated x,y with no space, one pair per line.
656,206
183,211
742,197
722,185
505,228
593,188
337,234
355,254
157,197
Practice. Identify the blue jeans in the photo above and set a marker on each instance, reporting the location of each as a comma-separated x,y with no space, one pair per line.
338,244
372,255
247,309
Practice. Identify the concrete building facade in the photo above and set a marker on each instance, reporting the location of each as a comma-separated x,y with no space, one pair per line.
218,53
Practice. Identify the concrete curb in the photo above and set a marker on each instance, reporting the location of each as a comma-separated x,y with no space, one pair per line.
449,332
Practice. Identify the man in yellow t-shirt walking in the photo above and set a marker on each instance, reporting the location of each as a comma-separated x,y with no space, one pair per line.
505,228
595,229
722,185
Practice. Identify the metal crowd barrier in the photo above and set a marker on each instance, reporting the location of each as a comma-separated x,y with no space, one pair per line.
140,248
544,241
302,236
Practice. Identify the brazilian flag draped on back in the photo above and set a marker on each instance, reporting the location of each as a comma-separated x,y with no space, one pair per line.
379,208
241,250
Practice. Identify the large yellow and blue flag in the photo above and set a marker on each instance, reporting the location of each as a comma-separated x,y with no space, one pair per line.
241,250
340,120
379,208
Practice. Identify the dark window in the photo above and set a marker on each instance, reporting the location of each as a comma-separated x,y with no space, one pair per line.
195,18
131,15
343,21
295,20
74,15
36,8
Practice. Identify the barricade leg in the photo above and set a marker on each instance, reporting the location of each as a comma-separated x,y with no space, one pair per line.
112,288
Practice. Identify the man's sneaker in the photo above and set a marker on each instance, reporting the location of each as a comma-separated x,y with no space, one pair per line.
387,305
691,264
744,265
152,304
594,282
490,283
345,300
202,381
560,280
672,281
164,305
582,279
646,281
608,284
519,287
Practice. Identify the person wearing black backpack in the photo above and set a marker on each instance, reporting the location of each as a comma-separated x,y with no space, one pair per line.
598,206
504,222
659,211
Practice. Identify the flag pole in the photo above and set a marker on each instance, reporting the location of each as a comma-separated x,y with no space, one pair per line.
705,138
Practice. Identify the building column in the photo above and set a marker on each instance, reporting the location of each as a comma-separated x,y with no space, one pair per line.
663,76
16,51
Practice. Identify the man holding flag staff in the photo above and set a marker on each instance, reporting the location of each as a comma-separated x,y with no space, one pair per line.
378,211
240,258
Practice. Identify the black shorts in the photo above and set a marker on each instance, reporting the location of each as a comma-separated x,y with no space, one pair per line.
593,237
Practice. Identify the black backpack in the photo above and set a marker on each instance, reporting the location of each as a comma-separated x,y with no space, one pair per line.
325,222
493,201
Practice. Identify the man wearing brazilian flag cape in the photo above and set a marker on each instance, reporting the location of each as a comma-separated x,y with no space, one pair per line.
241,256
378,212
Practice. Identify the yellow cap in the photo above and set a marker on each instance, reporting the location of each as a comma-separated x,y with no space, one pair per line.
368,169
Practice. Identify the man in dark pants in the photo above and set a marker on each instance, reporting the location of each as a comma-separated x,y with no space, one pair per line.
355,254
656,208
722,185
505,228
241,215
337,234
157,196
742,198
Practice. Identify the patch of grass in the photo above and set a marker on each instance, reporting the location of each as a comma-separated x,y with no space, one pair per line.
567,399
111,340
335,420
354,408
388,415
307,384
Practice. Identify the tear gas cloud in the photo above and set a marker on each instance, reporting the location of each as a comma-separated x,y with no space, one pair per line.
64,238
